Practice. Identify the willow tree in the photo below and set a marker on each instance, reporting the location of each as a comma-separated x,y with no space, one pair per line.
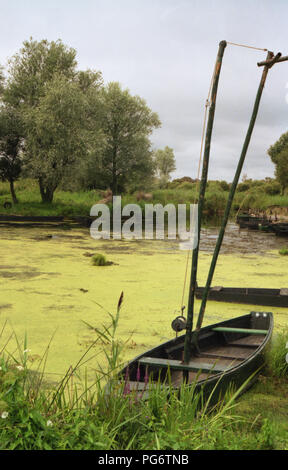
58,134
127,124
58,107
165,164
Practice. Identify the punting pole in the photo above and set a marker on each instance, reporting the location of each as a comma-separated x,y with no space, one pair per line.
190,310
270,61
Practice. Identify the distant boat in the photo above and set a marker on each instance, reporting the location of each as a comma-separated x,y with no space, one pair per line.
280,229
247,295
251,222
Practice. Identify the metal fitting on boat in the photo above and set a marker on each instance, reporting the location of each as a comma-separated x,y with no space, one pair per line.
179,323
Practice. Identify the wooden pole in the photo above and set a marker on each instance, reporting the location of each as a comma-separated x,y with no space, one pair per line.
190,310
232,192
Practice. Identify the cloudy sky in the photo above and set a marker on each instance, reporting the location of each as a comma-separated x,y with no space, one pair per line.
164,51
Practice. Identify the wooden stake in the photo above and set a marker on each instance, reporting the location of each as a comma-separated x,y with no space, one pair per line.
202,190
269,61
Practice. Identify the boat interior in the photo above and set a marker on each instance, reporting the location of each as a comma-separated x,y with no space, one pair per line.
220,347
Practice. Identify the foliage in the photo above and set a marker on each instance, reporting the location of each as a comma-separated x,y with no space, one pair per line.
127,124
278,153
214,202
58,107
56,137
277,147
278,355
281,172
11,146
272,188
224,185
243,187
35,65
165,164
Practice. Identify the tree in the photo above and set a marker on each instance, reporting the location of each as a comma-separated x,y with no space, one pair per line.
33,67
279,156
59,108
165,164
281,172
11,145
127,124
2,80
58,134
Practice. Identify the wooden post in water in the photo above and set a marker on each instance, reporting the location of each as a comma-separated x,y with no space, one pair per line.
270,61
190,310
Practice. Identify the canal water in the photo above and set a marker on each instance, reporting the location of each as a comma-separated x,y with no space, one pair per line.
50,291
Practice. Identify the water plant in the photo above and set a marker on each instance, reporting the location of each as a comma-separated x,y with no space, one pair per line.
99,260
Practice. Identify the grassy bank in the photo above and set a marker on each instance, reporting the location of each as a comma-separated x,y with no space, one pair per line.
69,203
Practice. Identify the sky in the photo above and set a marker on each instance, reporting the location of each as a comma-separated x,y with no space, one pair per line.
165,51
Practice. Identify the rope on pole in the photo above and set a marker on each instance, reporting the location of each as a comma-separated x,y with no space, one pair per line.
249,47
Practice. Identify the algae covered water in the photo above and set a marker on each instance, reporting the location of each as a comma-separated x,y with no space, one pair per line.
49,287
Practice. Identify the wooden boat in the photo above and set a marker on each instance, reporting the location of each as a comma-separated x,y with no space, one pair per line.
249,295
220,355
228,353
251,222
280,229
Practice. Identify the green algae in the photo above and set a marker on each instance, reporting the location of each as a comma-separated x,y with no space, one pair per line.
54,289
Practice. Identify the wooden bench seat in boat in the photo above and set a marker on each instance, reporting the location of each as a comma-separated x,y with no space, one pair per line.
191,366
226,329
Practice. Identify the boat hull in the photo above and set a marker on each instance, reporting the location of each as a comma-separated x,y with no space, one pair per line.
251,222
251,296
280,229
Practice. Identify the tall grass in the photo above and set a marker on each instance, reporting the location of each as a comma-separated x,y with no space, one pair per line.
277,356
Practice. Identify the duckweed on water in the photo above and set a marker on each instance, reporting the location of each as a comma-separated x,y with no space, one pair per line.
67,291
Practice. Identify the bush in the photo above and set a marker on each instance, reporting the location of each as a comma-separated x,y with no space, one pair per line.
243,187
187,186
224,185
214,202
272,188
